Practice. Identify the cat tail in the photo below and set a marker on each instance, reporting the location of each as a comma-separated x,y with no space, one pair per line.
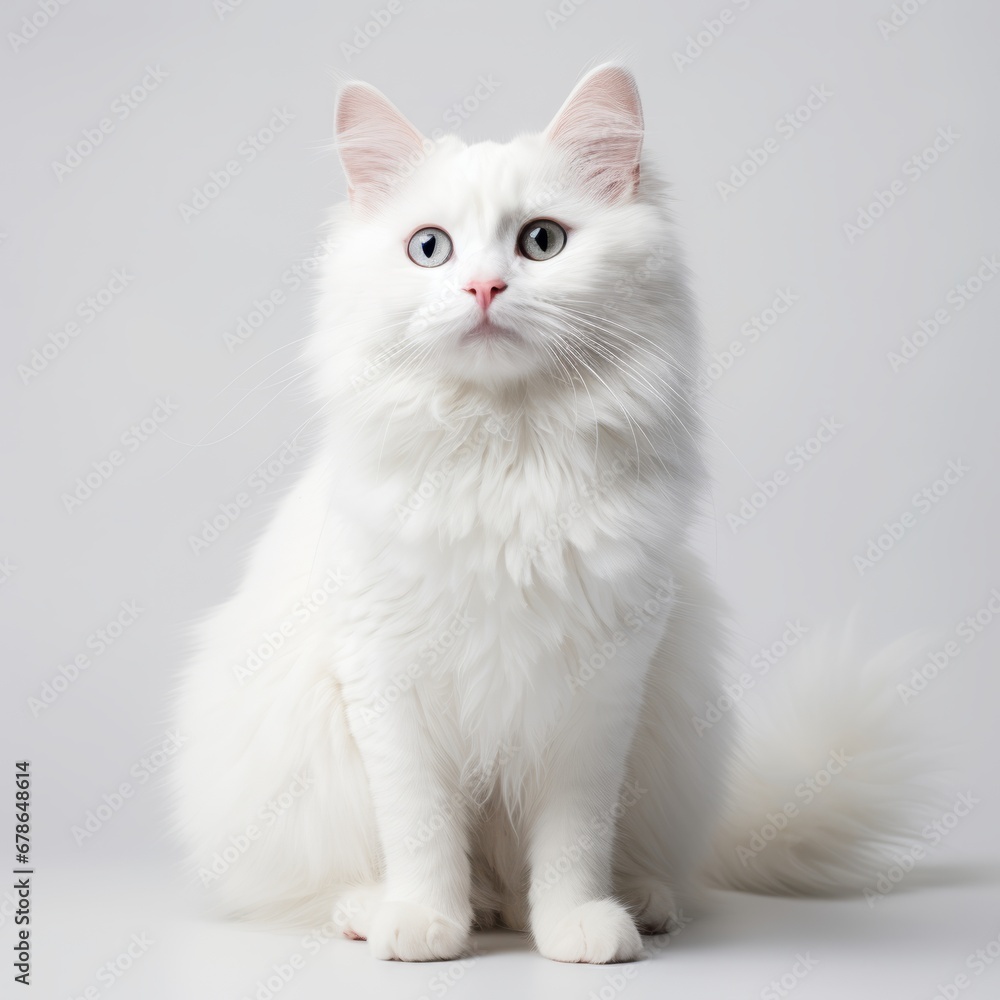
834,773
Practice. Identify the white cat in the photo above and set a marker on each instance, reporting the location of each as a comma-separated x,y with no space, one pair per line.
459,682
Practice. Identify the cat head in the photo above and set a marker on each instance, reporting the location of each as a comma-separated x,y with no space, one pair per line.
491,263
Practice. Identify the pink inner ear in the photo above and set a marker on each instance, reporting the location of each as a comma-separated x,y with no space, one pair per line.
377,145
601,128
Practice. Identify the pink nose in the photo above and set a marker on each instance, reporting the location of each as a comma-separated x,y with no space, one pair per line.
485,290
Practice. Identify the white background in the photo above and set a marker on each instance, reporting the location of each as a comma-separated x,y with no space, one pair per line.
65,232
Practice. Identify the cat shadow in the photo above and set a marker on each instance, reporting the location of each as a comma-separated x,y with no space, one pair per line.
747,919
741,919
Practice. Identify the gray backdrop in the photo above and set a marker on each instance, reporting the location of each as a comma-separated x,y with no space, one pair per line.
165,171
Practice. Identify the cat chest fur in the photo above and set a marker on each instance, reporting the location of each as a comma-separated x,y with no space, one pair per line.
510,564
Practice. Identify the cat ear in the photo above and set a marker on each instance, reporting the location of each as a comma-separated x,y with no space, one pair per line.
600,126
377,145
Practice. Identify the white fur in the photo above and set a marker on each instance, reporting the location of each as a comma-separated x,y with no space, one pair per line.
489,520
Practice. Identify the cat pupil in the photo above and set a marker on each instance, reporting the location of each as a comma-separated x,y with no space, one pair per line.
427,245
541,237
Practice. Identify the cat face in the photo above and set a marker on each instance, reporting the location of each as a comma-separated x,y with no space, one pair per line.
495,262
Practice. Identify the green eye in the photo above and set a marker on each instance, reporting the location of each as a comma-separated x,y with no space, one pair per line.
541,239
429,247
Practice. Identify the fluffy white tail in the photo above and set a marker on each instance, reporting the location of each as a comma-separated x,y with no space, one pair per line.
833,774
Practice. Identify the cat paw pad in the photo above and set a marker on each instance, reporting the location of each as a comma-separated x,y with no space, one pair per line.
353,910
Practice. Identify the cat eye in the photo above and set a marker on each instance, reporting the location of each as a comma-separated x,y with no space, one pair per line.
541,239
429,247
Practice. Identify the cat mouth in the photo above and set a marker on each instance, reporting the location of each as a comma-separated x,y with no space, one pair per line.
488,332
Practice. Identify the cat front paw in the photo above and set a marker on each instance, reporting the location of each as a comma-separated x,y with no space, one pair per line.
597,932
410,932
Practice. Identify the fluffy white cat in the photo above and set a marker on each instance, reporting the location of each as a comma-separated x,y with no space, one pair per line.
461,680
